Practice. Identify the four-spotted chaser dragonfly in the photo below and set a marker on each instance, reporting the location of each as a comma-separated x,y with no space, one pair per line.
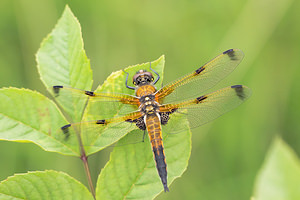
154,108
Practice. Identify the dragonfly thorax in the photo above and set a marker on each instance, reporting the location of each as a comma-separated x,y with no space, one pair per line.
148,105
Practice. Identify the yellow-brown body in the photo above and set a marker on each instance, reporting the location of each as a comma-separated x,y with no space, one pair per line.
154,131
145,90
149,108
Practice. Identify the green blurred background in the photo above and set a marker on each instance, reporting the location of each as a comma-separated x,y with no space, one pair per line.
227,153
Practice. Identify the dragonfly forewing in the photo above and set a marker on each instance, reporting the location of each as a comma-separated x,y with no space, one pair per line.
202,79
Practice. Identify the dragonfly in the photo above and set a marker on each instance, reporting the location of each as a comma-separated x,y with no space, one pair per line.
154,108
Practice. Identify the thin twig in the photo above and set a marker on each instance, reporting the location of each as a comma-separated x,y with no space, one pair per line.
87,172
84,159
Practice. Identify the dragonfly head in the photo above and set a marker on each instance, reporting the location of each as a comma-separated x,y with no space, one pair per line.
142,77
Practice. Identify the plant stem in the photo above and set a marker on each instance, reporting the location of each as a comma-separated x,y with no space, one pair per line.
84,159
87,172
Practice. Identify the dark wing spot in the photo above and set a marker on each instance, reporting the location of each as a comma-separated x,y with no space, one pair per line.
56,89
101,121
239,91
90,93
199,99
129,120
236,86
173,110
198,71
231,54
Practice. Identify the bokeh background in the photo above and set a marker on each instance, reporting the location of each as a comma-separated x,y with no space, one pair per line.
228,153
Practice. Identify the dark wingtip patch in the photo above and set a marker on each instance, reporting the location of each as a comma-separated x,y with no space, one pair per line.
236,86
239,91
65,130
230,53
56,89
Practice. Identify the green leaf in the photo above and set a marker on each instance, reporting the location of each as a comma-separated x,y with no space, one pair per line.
62,61
27,115
279,178
115,83
43,185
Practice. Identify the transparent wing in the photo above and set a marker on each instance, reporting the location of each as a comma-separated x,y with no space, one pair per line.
107,102
134,137
208,107
97,134
202,79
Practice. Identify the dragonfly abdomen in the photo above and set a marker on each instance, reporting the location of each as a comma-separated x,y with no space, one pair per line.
155,135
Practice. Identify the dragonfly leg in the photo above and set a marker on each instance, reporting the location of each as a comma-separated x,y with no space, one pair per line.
158,77
126,83
144,135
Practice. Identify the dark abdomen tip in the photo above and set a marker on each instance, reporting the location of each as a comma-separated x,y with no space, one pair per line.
166,188
161,165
